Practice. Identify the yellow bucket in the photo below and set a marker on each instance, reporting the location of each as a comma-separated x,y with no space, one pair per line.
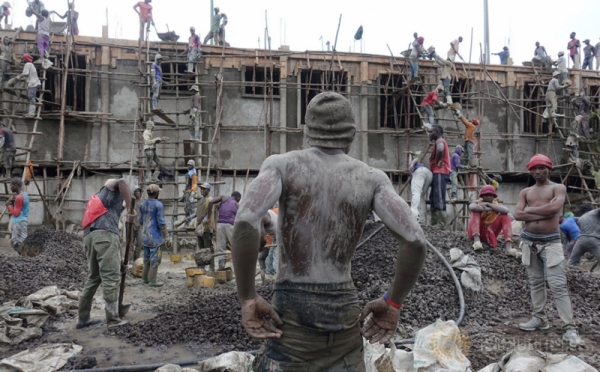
176,257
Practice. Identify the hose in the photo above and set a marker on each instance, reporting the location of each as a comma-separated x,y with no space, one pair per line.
461,315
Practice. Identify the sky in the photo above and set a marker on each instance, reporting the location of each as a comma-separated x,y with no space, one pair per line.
517,24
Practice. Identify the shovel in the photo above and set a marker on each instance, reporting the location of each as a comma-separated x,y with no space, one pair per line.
124,308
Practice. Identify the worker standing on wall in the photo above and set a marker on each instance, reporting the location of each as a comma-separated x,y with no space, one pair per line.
315,305
194,50
540,207
144,10
215,26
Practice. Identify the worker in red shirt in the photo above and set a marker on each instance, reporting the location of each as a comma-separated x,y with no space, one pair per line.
439,163
145,13
430,100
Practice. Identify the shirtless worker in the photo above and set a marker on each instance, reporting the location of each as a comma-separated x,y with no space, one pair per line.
324,198
540,207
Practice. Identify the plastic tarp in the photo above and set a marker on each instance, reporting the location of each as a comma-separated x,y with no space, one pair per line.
234,361
21,320
44,358
441,347
471,272
533,360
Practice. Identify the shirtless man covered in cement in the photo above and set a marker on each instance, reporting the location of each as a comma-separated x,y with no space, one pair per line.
540,206
324,198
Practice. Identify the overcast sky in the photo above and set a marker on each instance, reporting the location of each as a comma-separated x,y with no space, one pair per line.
515,23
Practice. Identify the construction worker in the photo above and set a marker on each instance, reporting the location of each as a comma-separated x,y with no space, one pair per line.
445,77
453,51
597,50
588,55
455,166
504,54
194,49
37,6
144,10
413,58
572,142
7,149
429,101
43,33
136,242
191,182
215,26
33,82
572,211
421,178
568,226
551,102
195,113
150,150
589,227
18,207
573,47
470,127
228,207
7,59
204,229
154,234
222,40
157,80
4,13
315,305
540,207
540,56
488,219
75,19
561,67
439,163
583,104
268,230
102,246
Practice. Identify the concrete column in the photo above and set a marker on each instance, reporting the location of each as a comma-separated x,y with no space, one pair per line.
104,129
283,115
364,121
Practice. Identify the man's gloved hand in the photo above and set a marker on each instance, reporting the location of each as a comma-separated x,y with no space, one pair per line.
169,242
155,85
165,139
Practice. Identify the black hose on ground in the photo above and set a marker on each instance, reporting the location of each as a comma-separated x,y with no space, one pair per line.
461,315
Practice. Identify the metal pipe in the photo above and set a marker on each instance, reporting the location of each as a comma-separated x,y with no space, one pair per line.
486,32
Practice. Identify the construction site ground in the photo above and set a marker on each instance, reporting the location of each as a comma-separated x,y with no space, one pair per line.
176,323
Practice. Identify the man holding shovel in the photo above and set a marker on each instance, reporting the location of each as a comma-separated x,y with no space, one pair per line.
103,251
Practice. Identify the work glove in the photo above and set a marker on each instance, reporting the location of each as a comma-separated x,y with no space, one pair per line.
155,85
169,242
164,139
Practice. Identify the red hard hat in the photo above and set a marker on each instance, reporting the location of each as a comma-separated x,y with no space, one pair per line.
475,122
488,190
540,159
27,57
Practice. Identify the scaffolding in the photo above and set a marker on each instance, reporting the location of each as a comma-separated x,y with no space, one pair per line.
268,73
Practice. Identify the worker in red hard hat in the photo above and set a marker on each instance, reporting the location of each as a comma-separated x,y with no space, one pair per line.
469,134
540,207
29,75
488,219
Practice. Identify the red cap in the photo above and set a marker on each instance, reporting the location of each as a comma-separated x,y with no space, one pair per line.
475,122
488,190
540,159
28,58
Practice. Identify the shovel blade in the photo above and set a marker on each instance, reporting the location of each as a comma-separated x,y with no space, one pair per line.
123,310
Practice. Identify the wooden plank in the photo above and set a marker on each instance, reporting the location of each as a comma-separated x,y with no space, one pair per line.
161,115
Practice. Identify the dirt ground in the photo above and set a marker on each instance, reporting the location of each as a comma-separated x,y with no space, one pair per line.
175,323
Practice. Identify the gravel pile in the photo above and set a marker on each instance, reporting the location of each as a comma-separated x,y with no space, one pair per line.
490,322
61,262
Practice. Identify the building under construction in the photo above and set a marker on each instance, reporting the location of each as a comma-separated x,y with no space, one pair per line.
96,98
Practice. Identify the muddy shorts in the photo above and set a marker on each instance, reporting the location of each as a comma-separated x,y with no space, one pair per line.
320,332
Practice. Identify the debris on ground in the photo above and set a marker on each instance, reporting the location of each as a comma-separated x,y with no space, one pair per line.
491,315
22,320
45,358
533,360
61,262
